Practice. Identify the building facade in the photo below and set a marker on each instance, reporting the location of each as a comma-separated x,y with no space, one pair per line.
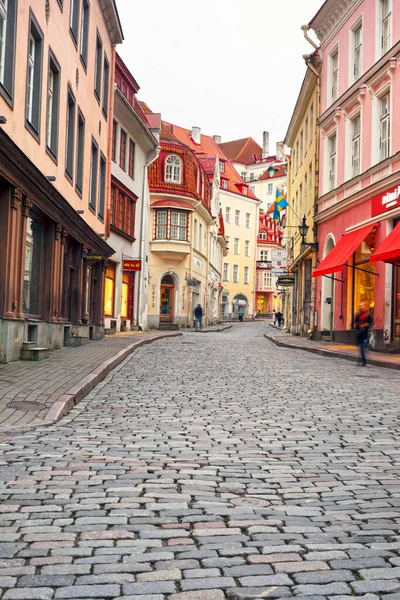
56,98
302,139
134,148
271,261
186,234
358,205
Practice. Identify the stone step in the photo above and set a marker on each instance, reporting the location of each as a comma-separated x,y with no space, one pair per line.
169,326
34,353
28,345
79,340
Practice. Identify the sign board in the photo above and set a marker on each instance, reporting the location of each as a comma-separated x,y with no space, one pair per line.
132,265
285,280
386,201
279,259
279,272
94,257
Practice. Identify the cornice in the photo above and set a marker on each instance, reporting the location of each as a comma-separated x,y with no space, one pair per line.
331,17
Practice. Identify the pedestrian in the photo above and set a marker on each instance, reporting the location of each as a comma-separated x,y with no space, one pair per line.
274,316
279,317
198,315
255,314
363,323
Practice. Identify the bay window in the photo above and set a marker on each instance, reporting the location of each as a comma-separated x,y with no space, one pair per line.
122,213
173,225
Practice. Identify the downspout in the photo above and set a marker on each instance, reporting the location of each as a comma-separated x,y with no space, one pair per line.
152,155
305,29
111,103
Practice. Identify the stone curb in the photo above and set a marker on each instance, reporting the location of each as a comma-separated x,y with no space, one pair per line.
215,330
67,401
331,353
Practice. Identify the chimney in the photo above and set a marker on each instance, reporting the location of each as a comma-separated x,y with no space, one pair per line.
196,134
217,139
279,155
265,147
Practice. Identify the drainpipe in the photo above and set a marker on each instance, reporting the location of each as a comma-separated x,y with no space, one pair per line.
305,29
316,187
152,155
109,143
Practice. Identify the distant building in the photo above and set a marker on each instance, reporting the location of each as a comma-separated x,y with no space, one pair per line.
271,259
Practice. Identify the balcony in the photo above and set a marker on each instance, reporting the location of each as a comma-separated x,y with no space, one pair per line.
264,264
170,251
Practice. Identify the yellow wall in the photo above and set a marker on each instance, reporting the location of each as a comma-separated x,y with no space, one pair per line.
236,202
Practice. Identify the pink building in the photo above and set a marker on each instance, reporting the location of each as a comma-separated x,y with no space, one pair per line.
56,100
359,203
270,259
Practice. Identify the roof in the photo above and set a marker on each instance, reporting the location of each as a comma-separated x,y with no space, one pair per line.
245,151
171,204
279,172
112,20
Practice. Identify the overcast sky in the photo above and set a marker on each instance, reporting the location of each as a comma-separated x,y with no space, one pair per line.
232,67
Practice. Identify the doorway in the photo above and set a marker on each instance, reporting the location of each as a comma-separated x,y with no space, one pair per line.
327,296
396,304
167,299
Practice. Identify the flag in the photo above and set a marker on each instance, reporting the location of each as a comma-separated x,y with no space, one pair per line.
279,204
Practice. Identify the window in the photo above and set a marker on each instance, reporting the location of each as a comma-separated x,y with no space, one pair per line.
253,189
227,214
131,161
297,156
74,20
53,103
301,146
227,238
106,78
109,291
386,26
357,52
114,142
127,291
334,74
385,127
178,226
221,167
122,150
161,225
7,49
33,267
263,254
224,184
235,273
310,184
102,186
70,135
270,190
225,275
306,135
311,122
248,220
332,162
200,237
84,31
195,234
237,217
97,67
262,235
34,77
251,176
80,152
236,246
301,207
173,169
247,248
122,214
243,175
355,146
94,166
306,199
267,279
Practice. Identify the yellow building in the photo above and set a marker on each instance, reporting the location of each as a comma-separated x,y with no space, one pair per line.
302,139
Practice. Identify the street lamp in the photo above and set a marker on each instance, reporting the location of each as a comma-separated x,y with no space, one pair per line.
271,171
303,230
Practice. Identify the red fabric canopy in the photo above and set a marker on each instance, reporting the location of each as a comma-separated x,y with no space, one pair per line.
389,250
340,254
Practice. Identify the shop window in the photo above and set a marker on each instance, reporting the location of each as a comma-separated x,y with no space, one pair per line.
33,267
7,47
122,212
364,280
127,295
109,290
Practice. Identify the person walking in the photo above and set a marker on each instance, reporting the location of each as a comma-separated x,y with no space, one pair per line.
363,323
198,315
279,318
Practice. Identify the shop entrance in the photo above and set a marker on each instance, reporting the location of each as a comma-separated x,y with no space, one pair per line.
396,304
167,299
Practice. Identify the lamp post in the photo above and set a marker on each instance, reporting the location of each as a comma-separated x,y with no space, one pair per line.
303,230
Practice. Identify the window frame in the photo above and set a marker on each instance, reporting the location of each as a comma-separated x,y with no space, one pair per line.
355,141
74,21
246,275
179,228
247,247
332,160
70,135
385,120
98,66
248,220
237,217
101,200
224,184
36,33
35,219
131,159
235,274
123,211
175,172
169,225
106,85
54,66
236,246
382,20
225,272
114,141
333,87
123,137
84,32
80,152
262,235
227,214
9,52
357,51
93,175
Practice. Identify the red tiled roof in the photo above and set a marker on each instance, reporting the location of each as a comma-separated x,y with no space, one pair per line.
245,151
279,172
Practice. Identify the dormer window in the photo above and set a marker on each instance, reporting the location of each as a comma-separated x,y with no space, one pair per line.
224,184
173,169
262,235
221,167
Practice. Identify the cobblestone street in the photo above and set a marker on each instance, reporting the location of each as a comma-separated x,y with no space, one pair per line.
208,467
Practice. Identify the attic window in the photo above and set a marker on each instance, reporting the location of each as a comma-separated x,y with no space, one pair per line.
173,169
263,235
221,167
224,184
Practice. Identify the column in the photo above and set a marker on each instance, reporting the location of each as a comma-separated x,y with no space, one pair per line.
13,306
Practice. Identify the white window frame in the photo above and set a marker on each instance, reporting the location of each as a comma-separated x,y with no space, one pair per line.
248,220
270,189
330,161
237,217
195,234
235,274
267,279
356,51
31,76
221,167
262,235
386,26
246,275
355,145
227,214
50,100
384,124
161,226
247,248
225,274
224,184
263,254
333,75
236,246
173,169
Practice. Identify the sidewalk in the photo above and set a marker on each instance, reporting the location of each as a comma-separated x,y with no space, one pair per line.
287,340
39,393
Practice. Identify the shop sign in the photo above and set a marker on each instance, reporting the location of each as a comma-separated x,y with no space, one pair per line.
386,201
132,265
94,257
285,280
212,276
279,259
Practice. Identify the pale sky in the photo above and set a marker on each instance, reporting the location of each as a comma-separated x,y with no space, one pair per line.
232,67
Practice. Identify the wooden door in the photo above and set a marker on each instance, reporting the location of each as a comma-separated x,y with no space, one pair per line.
396,304
167,303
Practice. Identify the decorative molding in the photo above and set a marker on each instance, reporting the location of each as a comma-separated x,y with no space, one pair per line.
16,198
331,17
27,204
57,231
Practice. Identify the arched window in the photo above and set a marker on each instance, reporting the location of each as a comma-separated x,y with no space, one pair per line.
173,169
262,235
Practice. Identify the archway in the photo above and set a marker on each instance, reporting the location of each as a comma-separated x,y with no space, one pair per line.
327,292
167,299
240,305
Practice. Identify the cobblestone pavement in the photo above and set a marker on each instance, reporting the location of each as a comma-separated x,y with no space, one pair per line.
206,468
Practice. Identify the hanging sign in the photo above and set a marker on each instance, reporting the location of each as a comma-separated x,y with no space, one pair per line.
93,258
132,265
285,280
386,201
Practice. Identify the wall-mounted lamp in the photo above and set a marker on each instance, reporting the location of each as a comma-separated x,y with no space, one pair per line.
3,120
303,230
51,178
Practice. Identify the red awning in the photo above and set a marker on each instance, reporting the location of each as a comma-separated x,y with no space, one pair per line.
340,254
389,250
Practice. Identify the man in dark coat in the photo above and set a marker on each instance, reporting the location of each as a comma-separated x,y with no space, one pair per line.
198,315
